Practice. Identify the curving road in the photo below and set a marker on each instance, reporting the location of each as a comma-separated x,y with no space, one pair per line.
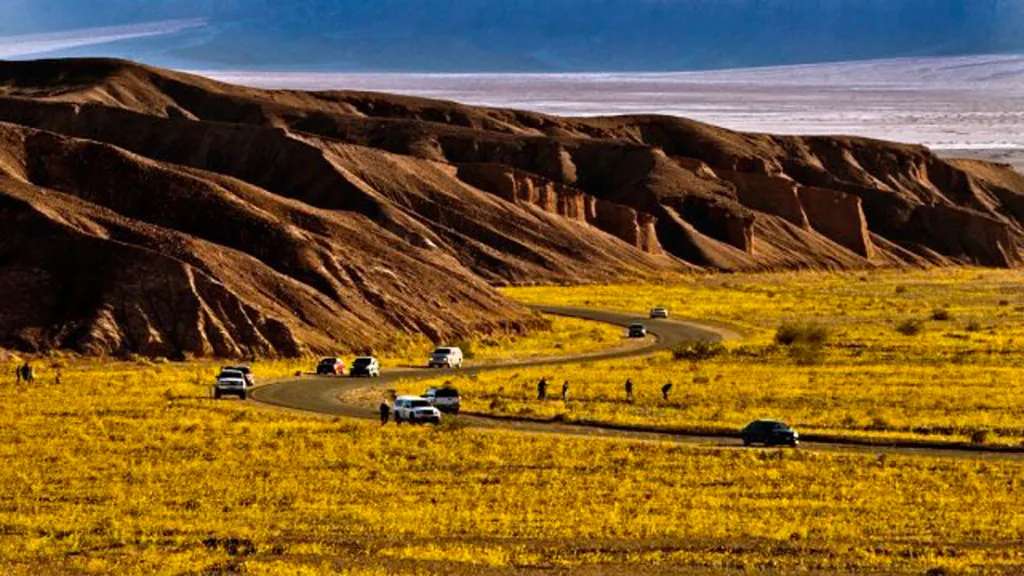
321,395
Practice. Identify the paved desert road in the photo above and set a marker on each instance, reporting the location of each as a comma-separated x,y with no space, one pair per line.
321,395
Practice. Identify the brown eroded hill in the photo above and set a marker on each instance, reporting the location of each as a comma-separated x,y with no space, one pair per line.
164,213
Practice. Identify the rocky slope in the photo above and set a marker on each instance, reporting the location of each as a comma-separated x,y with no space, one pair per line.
163,213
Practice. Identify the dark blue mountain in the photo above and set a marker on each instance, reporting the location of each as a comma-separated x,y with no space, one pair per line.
535,35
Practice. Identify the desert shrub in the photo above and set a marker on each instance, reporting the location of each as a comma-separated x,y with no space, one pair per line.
910,327
980,436
1004,302
901,289
467,349
789,334
807,354
698,351
879,423
941,315
973,326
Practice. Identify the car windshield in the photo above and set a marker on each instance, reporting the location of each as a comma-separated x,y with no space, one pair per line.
362,361
230,374
419,404
328,361
443,351
636,327
446,393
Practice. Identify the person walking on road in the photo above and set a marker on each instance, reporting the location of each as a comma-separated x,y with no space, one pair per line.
665,390
385,413
565,391
629,390
542,389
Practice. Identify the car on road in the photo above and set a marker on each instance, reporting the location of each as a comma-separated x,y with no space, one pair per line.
231,382
415,410
769,433
637,331
659,312
365,366
246,372
445,357
330,366
445,399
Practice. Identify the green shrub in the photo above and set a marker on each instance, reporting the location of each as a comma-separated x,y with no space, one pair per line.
807,354
910,327
467,349
698,351
980,436
807,334
941,315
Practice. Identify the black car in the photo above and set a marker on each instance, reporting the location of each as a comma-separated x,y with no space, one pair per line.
769,433
365,366
637,331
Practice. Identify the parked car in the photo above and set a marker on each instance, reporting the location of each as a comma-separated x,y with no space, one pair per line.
416,410
330,366
446,357
445,399
246,372
231,382
365,366
637,331
659,312
769,433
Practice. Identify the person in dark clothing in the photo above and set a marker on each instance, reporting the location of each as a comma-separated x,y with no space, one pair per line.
565,391
26,373
17,375
665,390
629,390
542,389
385,413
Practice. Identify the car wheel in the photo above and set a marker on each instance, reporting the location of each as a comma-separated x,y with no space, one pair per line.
216,394
243,395
747,442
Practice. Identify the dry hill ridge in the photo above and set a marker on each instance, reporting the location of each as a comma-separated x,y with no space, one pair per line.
162,213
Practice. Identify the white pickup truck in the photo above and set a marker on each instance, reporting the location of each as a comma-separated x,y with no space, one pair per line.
415,409
231,383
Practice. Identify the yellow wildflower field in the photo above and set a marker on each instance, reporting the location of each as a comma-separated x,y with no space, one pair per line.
130,468
563,337
957,372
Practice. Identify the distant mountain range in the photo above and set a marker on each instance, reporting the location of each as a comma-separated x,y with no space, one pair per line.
524,35
154,212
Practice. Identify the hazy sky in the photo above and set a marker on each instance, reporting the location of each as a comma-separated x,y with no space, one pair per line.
511,35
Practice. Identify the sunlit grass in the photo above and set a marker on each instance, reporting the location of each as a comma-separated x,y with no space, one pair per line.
960,377
129,468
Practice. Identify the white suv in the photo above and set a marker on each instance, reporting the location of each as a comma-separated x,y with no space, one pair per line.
446,357
415,409
659,312
445,399
231,383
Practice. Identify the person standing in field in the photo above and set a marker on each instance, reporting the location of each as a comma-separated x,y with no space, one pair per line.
17,376
665,390
385,413
27,375
542,389
629,390
565,391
